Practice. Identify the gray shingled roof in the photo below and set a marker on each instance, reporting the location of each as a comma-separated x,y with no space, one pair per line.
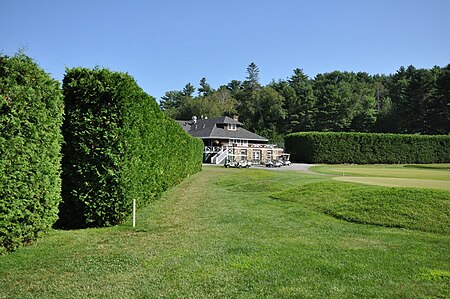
185,124
207,128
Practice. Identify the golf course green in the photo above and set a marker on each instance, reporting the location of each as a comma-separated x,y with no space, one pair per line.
435,176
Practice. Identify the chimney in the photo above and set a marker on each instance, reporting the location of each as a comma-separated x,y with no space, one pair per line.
236,117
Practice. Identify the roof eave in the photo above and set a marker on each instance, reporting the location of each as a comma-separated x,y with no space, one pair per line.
222,137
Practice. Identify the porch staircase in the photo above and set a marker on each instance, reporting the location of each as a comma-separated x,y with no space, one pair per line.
219,157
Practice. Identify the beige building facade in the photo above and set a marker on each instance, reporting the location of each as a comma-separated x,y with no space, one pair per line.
226,139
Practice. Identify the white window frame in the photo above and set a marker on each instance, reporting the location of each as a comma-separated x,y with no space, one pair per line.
231,127
243,153
256,155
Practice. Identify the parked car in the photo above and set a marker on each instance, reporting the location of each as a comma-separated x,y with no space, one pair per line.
275,163
236,164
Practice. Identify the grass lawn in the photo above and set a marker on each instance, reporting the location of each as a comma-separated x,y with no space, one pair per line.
245,233
436,176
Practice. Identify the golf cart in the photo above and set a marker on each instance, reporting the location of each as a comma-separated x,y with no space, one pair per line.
285,159
275,163
236,164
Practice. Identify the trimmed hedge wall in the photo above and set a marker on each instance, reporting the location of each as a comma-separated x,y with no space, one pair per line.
367,148
31,114
118,147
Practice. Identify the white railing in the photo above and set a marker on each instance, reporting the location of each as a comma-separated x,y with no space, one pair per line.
217,149
254,145
219,153
219,157
212,149
270,146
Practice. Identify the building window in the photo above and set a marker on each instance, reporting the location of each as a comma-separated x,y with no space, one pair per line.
231,127
243,154
269,155
256,155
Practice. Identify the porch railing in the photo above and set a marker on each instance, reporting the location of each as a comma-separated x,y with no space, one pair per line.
219,157
213,149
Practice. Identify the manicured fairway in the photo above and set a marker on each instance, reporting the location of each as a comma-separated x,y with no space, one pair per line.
245,233
420,176
397,182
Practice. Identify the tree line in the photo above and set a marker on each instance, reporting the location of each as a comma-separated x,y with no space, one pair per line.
411,101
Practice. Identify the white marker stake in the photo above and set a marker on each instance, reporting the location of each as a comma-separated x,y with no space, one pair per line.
134,212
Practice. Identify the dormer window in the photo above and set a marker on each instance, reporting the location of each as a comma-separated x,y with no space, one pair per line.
231,127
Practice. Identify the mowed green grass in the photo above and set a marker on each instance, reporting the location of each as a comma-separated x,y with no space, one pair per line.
244,233
436,176
408,208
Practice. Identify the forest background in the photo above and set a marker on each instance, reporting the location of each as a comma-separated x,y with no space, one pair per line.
411,101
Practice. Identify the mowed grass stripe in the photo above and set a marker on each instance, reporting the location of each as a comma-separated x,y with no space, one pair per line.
390,171
397,182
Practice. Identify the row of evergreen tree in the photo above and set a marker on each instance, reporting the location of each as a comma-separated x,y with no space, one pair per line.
410,101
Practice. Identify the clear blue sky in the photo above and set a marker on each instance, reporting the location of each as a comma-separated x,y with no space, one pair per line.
166,44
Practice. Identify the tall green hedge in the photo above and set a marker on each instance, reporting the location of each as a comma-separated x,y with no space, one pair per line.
31,112
118,147
367,148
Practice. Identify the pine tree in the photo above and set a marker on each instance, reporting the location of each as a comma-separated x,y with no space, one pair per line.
252,80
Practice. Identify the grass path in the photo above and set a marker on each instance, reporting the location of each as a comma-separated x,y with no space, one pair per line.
220,234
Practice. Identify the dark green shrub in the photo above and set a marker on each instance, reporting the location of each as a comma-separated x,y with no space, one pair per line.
118,147
367,148
31,113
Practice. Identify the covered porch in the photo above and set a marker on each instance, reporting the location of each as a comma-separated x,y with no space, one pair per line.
256,153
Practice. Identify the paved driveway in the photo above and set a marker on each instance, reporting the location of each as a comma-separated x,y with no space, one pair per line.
293,166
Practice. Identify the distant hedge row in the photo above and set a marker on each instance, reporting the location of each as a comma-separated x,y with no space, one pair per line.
367,148
31,114
118,147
